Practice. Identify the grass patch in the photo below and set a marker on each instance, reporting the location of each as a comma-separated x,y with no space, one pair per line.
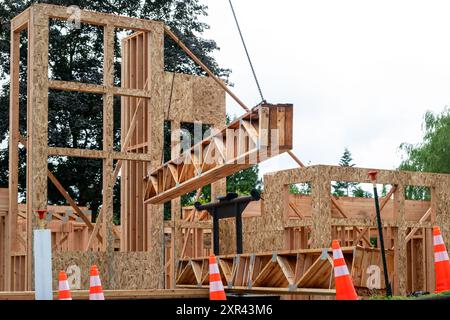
445,294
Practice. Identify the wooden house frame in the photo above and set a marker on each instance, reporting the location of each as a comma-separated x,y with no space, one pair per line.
144,83
144,261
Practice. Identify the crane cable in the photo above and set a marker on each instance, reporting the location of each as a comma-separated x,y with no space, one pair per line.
247,53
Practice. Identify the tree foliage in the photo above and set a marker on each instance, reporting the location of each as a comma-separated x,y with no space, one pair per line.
344,188
359,192
433,153
75,120
430,155
347,188
300,189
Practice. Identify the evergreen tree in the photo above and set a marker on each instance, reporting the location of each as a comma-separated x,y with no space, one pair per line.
359,192
344,188
384,191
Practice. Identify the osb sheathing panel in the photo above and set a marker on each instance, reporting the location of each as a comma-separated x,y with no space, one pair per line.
209,101
194,99
37,123
266,233
360,208
190,99
337,173
102,19
321,177
4,200
442,193
260,234
253,236
118,270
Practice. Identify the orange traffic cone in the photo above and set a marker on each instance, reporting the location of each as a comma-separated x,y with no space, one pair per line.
441,262
342,280
216,291
95,289
64,289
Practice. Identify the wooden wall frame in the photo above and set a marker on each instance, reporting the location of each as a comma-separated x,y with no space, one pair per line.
36,21
268,231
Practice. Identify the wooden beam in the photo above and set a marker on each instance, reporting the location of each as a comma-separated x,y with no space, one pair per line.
101,19
37,124
338,206
236,159
294,157
20,22
98,224
204,67
60,242
190,219
13,181
296,211
287,269
382,205
66,196
97,89
98,154
22,241
118,167
417,226
341,211
108,133
72,203
194,293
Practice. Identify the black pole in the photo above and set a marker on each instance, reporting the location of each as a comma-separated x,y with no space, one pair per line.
239,246
216,234
380,233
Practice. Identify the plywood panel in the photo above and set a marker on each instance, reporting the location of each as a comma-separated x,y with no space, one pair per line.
119,270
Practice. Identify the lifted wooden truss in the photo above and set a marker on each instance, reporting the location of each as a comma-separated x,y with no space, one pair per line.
260,134
307,271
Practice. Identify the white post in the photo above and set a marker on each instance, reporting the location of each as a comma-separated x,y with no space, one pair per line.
43,264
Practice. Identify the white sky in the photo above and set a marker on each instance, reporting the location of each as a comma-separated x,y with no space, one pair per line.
360,74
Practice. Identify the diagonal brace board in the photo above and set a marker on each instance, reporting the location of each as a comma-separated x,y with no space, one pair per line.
260,134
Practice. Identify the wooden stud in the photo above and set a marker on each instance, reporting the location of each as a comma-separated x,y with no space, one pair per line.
108,127
37,124
11,219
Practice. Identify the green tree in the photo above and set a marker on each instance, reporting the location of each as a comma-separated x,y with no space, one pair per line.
384,191
77,55
344,188
301,188
430,155
294,189
433,153
359,192
244,181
